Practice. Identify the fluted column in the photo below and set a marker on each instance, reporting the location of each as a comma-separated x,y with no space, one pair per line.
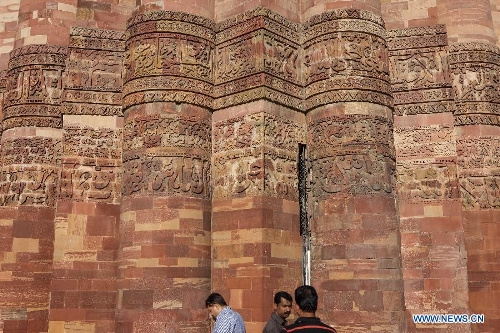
432,232
474,62
30,157
164,252
257,127
475,67
83,294
356,262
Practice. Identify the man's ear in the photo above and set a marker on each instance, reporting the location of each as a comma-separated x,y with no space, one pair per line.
275,306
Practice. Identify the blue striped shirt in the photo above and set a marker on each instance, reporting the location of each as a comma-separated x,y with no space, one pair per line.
229,321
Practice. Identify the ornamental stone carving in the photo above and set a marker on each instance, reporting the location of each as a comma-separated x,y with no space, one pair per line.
345,59
91,164
339,56
94,73
475,74
351,154
167,175
34,86
258,56
256,155
29,175
478,159
167,154
169,58
420,73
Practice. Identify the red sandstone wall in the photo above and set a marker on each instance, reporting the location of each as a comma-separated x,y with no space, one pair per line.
478,135
63,249
225,9
165,222
103,14
312,7
44,22
9,12
495,17
465,20
404,14
203,8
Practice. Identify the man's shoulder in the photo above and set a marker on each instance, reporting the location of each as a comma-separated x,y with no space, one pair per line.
230,312
309,326
229,315
270,326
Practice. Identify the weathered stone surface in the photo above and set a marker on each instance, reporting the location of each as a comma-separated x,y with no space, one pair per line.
149,156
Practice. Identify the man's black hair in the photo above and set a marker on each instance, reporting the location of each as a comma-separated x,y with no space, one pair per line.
282,294
215,298
306,298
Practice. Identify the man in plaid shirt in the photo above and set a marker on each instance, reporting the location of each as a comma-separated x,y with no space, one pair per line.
226,319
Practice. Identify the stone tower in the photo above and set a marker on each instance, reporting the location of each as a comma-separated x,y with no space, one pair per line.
151,151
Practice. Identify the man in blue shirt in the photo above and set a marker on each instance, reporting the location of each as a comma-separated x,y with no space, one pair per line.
226,319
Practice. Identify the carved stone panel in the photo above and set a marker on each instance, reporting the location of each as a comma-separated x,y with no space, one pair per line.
354,173
94,71
479,163
345,59
255,172
166,132
420,73
258,56
426,167
351,130
28,175
169,58
28,186
476,76
427,180
33,150
480,192
91,166
238,133
35,86
96,39
167,154
167,175
90,183
351,155
256,155
425,142
3,80
475,72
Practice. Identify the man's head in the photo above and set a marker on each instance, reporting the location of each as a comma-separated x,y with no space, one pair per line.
282,304
215,303
306,299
